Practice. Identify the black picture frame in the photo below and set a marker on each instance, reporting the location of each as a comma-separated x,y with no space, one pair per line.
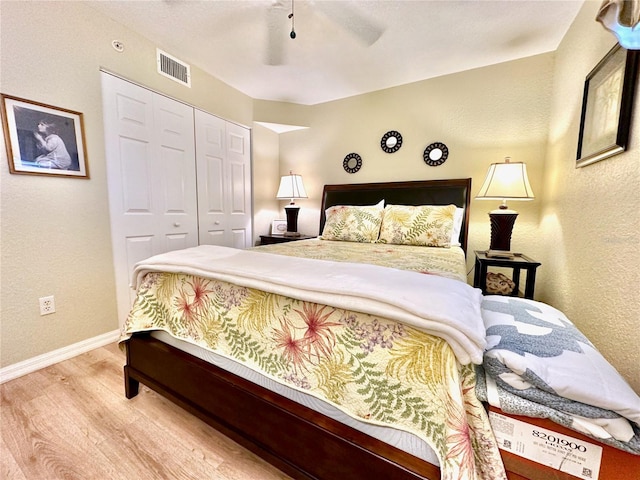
607,103
43,139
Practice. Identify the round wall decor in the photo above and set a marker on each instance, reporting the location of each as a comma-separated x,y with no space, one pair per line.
391,141
435,154
352,163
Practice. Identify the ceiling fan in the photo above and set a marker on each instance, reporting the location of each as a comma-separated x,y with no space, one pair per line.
280,17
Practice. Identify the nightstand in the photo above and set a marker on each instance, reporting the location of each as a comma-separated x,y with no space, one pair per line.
271,239
517,263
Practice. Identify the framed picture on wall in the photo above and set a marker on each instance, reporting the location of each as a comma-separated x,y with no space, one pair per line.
43,139
606,106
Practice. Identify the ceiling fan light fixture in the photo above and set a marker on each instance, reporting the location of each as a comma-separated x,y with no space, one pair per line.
293,30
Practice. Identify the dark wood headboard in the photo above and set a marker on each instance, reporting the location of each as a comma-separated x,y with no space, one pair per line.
422,192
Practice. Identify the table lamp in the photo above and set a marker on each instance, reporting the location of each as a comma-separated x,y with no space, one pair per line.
505,181
291,187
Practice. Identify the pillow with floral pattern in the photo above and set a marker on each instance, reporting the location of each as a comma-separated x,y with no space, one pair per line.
351,223
426,225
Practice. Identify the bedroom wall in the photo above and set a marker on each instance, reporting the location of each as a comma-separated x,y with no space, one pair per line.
55,231
590,218
584,224
482,115
266,158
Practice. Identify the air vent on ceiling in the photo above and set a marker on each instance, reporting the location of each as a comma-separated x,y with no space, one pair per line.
173,68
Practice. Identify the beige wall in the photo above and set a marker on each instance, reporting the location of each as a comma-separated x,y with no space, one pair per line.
584,224
266,174
55,232
481,115
590,221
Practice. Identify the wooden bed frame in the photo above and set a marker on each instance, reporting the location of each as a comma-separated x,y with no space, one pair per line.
427,192
299,441
615,465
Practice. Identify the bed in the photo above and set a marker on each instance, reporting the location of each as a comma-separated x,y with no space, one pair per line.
316,445
322,441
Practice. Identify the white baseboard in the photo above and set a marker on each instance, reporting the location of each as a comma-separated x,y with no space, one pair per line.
41,361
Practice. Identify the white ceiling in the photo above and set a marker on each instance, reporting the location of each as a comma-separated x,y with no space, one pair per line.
342,48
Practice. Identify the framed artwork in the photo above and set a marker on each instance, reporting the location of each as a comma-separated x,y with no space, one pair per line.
43,139
606,106
278,227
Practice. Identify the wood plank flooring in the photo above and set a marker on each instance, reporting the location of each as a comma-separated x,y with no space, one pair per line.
72,421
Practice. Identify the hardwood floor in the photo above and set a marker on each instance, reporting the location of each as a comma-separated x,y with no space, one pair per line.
72,421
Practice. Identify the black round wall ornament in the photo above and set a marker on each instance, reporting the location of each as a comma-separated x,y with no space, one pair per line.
391,141
435,154
352,163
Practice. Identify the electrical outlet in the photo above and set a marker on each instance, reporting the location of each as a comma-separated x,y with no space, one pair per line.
47,305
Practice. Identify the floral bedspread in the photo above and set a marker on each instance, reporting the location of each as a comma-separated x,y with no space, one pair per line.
446,262
376,370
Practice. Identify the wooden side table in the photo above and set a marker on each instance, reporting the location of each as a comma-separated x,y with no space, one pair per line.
271,239
517,263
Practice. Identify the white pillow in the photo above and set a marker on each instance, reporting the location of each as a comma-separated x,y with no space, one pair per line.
457,227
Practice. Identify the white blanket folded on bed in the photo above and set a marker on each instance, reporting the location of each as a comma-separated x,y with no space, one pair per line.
443,307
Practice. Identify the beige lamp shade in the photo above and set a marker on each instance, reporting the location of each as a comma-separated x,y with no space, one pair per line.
291,187
622,18
506,181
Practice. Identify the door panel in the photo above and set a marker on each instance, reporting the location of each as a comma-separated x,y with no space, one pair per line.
213,186
132,110
150,155
239,218
167,189
134,175
210,159
213,237
239,238
175,174
238,191
224,181
177,241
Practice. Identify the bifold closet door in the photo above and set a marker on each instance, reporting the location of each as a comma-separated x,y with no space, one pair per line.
223,157
150,153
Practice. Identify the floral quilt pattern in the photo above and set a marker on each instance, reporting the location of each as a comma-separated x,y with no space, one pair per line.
446,262
374,369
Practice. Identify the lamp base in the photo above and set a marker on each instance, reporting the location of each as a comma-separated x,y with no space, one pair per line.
501,228
292,221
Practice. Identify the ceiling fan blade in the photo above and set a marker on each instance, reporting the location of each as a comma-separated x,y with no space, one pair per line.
351,20
276,35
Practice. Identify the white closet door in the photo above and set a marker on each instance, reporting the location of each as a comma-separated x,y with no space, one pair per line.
223,157
177,204
239,213
210,158
150,156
